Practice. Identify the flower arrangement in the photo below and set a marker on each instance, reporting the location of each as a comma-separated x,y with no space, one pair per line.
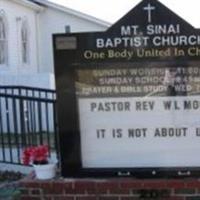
37,155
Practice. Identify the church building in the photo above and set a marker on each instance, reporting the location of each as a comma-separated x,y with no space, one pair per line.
26,28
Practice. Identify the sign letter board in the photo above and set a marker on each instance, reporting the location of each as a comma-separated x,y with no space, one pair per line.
129,97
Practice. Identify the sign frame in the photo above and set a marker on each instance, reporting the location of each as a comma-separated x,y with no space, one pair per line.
70,147
67,48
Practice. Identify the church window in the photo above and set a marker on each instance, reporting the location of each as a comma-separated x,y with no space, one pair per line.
25,42
3,40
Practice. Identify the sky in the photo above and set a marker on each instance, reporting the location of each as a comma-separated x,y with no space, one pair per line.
112,10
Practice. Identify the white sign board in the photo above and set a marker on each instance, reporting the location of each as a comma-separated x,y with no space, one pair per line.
140,132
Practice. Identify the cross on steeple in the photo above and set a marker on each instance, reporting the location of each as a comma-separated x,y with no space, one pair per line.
149,9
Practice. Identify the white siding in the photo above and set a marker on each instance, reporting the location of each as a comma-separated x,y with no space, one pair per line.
54,21
14,14
33,80
42,24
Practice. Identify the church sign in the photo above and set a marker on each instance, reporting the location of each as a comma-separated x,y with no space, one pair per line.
129,97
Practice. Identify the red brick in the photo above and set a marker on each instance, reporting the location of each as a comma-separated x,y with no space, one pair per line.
107,185
69,191
104,187
77,190
119,191
68,188
60,184
154,184
101,191
30,184
131,184
56,188
174,198
193,184
46,187
108,198
46,198
111,189
35,191
87,198
175,184
63,198
84,185
130,198
92,191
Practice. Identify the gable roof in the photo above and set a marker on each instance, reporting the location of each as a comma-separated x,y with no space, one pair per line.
162,15
78,14
29,4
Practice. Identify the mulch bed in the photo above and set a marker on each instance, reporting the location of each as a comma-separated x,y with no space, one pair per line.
10,176
9,185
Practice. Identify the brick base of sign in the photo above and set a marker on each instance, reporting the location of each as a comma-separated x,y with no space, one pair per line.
110,189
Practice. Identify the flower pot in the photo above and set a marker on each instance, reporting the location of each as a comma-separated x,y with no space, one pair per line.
46,171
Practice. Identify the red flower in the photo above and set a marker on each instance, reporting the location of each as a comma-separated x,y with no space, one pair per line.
35,155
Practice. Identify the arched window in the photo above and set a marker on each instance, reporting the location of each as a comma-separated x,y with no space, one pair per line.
25,42
3,40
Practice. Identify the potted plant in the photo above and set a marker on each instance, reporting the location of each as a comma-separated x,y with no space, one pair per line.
38,156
